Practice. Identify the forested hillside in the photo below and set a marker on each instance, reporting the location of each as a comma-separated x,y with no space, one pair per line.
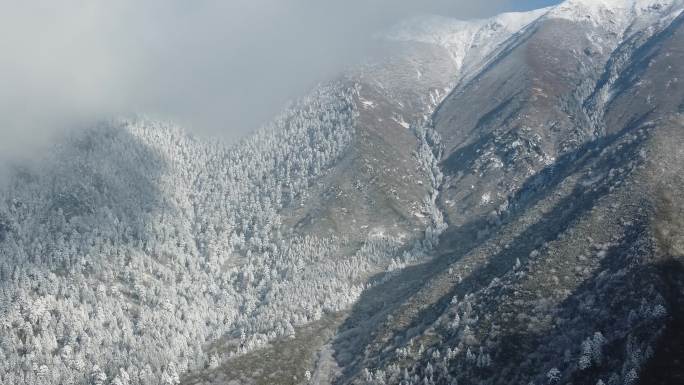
480,202
138,245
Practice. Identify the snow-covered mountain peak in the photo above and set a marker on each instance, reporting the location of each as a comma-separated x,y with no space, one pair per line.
471,42
617,15
461,36
619,4
451,31
468,41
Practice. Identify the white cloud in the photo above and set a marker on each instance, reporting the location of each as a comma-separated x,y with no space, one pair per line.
216,66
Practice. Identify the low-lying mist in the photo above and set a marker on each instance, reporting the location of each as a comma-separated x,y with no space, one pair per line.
216,67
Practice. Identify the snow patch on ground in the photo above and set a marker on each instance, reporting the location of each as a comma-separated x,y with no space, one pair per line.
401,121
367,104
486,198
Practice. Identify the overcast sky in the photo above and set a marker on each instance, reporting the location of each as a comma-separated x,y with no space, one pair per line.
217,67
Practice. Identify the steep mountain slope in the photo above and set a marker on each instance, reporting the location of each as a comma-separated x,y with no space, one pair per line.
386,185
138,238
552,198
385,176
531,103
487,201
